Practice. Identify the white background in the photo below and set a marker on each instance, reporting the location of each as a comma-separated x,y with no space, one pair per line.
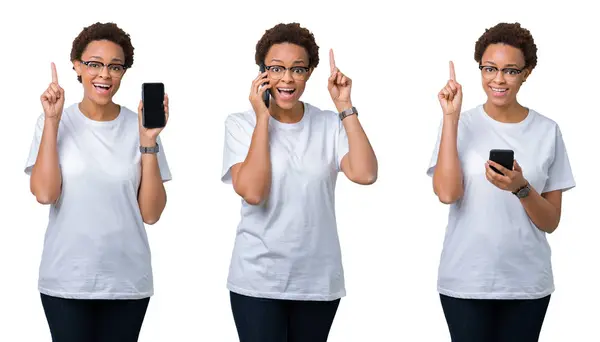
391,232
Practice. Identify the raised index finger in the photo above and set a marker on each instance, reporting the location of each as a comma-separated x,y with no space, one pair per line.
452,73
331,60
54,75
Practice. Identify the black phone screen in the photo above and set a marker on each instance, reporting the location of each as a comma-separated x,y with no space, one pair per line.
153,96
502,157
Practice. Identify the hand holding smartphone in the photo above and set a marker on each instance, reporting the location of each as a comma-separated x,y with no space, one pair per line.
153,112
503,157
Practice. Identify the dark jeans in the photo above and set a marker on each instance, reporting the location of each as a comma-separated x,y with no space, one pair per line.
493,320
91,320
273,320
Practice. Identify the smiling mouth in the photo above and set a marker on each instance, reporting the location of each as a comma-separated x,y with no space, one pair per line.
499,90
103,87
286,91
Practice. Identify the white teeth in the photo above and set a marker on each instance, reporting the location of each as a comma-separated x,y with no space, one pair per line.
499,90
286,89
105,86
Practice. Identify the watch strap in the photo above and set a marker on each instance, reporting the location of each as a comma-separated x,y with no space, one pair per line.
152,150
347,112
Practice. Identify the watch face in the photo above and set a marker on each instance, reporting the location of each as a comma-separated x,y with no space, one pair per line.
523,193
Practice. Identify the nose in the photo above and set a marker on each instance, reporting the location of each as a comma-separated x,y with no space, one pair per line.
287,76
499,77
104,72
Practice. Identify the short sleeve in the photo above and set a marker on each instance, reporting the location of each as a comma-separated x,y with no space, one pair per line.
436,150
341,144
236,146
163,165
560,175
35,144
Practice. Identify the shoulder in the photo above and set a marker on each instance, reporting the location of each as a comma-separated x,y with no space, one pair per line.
470,116
129,119
325,113
321,115
67,113
543,122
241,120
129,114
39,122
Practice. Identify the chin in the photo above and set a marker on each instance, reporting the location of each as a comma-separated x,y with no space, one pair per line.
287,105
499,102
100,100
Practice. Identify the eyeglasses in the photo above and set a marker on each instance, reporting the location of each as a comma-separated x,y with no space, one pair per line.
299,73
490,72
94,68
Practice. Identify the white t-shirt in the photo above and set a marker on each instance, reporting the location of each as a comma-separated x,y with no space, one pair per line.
288,247
96,245
492,250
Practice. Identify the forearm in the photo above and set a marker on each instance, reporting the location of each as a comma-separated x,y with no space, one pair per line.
362,161
45,181
541,212
447,177
152,197
253,179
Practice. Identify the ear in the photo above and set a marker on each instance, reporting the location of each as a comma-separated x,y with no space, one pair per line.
77,67
526,74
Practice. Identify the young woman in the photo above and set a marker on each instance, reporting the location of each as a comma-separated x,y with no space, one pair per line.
286,277
102,174
495,275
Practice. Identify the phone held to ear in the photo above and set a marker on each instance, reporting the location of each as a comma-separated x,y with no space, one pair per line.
503,157
267,93
153,113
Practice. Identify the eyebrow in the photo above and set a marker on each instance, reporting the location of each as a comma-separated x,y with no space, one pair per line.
507,65
116,59
299,61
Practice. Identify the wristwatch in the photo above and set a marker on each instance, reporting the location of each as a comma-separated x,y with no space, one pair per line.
151,150
347,112
523,191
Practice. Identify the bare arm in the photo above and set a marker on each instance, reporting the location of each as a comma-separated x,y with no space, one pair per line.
252,178
543,210
360,164
45,181
447,175
152,197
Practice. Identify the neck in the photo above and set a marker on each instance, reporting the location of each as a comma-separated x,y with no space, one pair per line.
98,112
510,113
292,115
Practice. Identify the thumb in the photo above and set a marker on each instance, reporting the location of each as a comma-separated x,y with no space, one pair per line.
458,90
516,166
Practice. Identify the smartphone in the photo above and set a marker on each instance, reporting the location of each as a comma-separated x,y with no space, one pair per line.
153,113
267,93
503,157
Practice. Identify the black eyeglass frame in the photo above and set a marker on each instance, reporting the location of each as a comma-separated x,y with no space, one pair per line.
305,69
